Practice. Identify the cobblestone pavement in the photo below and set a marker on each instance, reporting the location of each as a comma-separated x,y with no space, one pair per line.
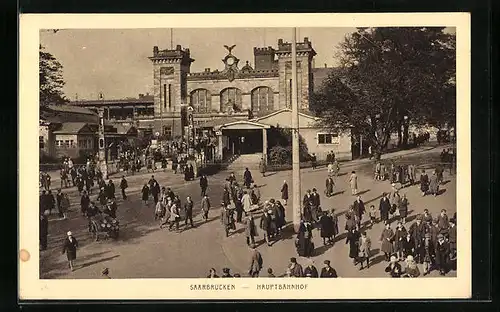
145,251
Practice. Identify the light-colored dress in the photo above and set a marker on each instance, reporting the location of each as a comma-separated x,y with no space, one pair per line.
353,181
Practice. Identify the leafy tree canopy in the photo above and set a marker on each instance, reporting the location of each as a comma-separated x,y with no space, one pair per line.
389,77
51,80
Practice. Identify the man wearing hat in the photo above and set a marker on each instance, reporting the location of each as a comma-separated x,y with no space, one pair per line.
265,225
384,207
327,270
295,268
225,273
442,255
310,270
256,263
418,230
69,247
250,229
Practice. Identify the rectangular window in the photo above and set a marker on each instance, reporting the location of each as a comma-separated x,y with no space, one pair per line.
167,132
41,142
165,95
169,96
66,143
328,138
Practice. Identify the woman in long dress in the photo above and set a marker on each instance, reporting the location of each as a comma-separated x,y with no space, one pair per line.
145,194
386,238
434,184
353,182
329,186
424,183
284,192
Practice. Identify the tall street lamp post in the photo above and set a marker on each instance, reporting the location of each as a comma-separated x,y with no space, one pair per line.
295,138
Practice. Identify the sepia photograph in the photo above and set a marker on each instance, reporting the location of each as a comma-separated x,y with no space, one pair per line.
244,152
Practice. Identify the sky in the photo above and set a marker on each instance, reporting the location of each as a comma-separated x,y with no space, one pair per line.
115,61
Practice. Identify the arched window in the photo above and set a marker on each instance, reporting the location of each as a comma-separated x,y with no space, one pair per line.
230,99
262,99
200,100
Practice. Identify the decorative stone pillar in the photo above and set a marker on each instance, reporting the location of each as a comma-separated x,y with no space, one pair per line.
264,145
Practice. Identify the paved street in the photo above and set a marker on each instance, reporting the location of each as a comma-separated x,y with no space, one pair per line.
145,251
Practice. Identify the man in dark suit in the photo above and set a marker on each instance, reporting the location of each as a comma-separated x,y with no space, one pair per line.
327,270
359,209
110,189
295,268
203,185
384,207
315,203
247,178
188,209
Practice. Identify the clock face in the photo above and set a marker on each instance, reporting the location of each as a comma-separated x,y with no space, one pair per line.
230,61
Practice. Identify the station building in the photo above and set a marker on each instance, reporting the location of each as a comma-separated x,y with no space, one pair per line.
237,102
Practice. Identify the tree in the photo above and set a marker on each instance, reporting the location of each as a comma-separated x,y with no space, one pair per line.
51,80
389,78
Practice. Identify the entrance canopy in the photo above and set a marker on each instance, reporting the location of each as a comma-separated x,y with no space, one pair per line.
243,125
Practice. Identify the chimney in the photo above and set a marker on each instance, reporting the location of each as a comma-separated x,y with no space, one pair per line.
306,40
207,70
178,47
141,95
325,65
280,41
155,50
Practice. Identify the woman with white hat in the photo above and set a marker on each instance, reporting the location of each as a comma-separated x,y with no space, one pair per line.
69,247
411,269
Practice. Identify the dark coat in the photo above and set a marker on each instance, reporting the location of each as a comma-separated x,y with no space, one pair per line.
69,247
310,271
123,184
442,252
315,200
424,183
387,238
247,177
297,271
280,215
328,272
145,192
403,208
203,182
110,190
353,240
384,207
326,224
359,208
394,271
265,223
284,191
408,246
85,201
188,208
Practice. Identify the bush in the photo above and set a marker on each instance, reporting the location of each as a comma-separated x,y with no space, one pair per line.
280,142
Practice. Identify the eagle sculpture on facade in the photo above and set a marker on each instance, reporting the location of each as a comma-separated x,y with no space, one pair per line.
229,48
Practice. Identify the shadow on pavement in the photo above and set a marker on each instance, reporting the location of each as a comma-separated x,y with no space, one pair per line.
363,192
378,259
87,264
441,191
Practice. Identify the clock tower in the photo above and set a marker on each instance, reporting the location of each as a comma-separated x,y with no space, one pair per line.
230,63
